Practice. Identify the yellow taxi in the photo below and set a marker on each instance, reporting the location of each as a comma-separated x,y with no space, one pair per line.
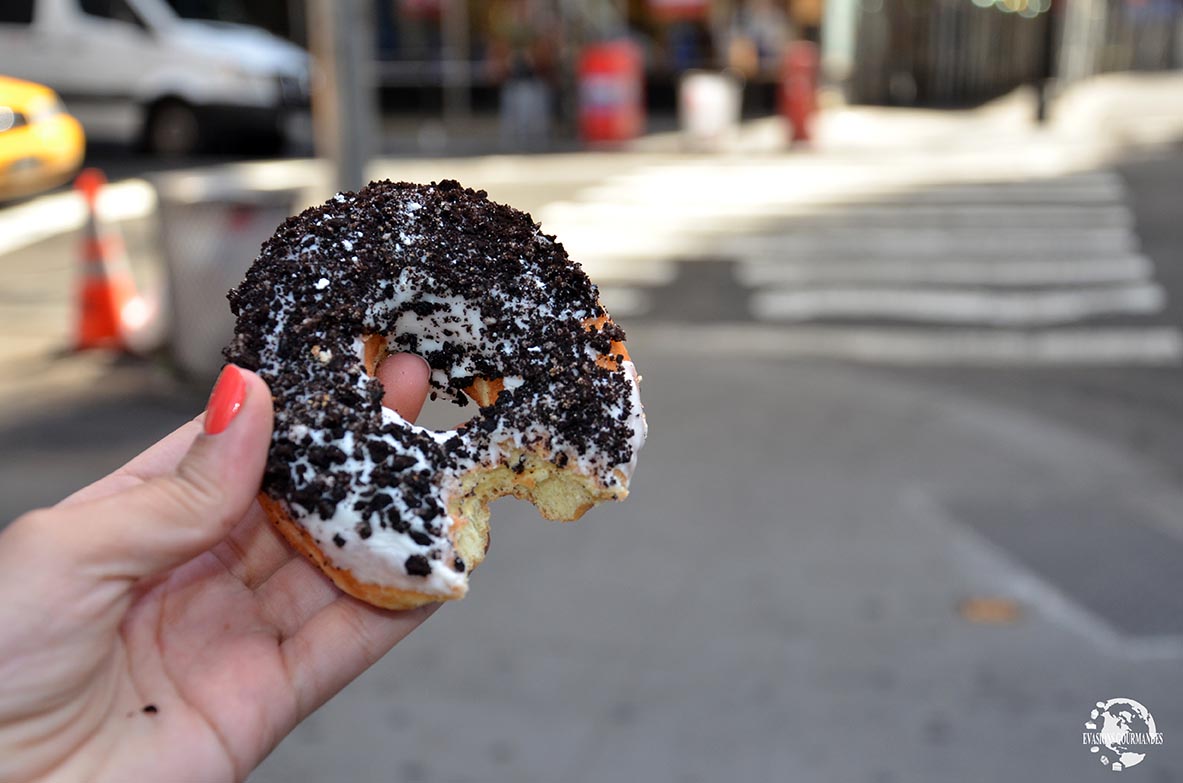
41,146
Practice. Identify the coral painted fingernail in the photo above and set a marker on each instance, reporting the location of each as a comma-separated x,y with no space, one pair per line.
225,400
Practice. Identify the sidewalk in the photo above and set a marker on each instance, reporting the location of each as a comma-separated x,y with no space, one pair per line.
1090,121
1099,117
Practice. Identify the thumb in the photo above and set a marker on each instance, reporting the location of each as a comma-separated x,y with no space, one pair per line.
173,517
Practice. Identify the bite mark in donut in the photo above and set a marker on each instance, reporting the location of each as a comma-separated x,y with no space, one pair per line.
395,514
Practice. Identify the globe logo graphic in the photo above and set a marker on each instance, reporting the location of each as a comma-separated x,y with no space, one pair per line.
1120,731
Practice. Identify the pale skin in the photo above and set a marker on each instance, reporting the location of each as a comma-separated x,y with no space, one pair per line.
153,626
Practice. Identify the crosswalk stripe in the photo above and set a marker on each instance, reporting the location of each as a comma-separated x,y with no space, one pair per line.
777,270
633,269
601,248
974,267
643,192
618,215
804,184
960,306
625,302
1099,346
1033,193
891,242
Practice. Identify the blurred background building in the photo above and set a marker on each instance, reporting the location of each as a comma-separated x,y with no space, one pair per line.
521,64
948,52
922,52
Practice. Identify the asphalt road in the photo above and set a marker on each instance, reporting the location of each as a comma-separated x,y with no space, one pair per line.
1136,407
926,567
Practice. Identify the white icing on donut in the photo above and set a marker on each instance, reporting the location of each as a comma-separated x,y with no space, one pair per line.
334,452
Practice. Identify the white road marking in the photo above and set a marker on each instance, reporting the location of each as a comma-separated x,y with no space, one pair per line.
625,268
1096,346
786,270
604,252
48,216
991,565
927,241
625,302
1004,261
623,248
620,214
1107,190
642,190
717,208
960,306
801,181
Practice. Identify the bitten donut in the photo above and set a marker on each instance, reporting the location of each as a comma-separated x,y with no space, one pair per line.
397,515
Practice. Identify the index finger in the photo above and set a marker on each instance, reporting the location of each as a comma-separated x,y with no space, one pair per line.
404,377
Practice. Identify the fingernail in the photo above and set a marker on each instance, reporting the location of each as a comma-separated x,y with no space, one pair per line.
225,400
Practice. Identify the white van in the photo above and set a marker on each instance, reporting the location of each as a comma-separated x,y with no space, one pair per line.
134,70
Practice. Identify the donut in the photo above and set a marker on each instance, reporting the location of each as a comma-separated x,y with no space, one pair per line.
396,514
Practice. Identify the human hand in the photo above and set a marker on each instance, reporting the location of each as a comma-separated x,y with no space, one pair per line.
154,626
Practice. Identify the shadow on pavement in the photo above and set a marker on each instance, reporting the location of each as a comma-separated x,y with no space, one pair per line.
80,432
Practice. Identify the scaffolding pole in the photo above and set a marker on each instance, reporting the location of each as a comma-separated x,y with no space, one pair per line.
457,65
344,115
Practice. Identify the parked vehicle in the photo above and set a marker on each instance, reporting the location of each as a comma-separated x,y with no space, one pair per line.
41,146
134,70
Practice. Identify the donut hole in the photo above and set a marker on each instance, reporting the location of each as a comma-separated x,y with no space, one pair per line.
442,415
437,413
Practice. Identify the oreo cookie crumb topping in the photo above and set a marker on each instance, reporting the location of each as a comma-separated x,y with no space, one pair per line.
476,289
417,565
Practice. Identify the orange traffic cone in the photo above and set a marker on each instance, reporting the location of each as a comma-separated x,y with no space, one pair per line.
106,292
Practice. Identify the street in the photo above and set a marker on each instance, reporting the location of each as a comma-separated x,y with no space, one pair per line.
912,502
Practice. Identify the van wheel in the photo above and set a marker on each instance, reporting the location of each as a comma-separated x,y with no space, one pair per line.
172,129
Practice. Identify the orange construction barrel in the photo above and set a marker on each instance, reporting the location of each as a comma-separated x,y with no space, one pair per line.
798,89
611,93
